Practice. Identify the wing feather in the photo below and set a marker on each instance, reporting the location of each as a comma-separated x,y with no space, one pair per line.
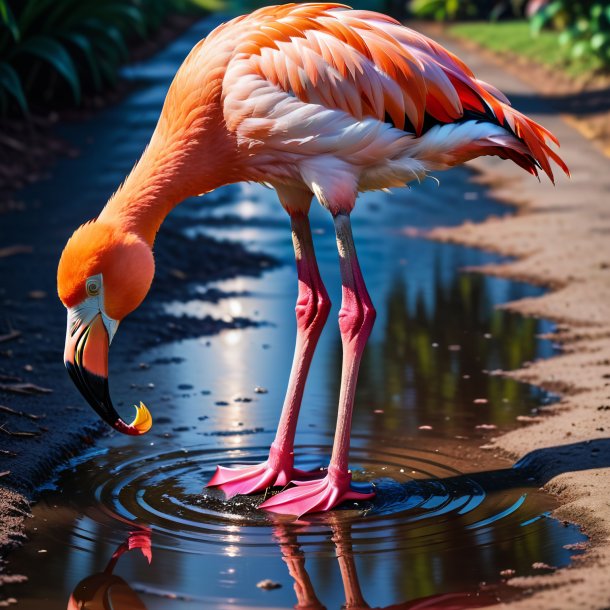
369,65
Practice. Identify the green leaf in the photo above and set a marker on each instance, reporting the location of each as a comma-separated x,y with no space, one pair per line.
9,19
109,33
120,13
84,45
52,52
33,10
599,40
579,49
9,80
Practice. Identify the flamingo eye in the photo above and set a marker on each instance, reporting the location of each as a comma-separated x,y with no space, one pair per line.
93,286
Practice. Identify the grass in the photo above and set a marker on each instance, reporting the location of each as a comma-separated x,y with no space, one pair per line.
516,38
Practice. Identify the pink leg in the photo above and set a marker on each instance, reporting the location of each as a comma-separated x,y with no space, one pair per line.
356,320
313,306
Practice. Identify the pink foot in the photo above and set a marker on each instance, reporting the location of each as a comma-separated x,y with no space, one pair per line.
315,496
277,471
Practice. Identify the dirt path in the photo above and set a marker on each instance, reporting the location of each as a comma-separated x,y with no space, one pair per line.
560,238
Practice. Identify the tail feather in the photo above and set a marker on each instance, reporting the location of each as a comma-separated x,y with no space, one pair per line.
536,138
483,102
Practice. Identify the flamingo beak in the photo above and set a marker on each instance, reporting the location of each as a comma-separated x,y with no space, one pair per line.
86,358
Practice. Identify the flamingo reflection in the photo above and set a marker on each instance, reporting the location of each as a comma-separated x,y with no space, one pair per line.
294,557
106,591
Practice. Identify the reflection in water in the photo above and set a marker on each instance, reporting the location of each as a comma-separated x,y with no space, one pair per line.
294,557
427,369
105,591
405,548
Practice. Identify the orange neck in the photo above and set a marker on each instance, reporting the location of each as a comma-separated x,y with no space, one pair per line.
177,164
191,151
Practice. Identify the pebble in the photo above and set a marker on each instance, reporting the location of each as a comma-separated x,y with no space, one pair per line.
480,401
268,584
540,565
486,427
507,573
425,428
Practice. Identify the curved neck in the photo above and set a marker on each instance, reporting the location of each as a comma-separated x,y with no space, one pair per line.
185,162
190,153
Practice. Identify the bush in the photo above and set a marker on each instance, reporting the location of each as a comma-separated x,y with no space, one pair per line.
53,49
450,10
585,25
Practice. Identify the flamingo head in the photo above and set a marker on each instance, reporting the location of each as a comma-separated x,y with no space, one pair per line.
104,274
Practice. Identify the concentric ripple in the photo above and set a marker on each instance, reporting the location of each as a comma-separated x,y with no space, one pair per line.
421,501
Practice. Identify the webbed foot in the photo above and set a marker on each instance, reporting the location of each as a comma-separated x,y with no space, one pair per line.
277,471
316,496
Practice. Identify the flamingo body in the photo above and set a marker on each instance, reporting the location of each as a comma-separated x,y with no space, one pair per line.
313,99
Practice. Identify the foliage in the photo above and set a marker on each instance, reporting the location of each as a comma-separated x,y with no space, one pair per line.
451,10
443,10
515,37
584,25
53,49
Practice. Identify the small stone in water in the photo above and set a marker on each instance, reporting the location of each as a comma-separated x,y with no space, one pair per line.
480,401
486,427
507,573
378,411
425,428
221,403
540,565
268,584
260,390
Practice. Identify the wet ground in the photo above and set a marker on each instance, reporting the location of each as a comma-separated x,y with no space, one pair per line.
450,520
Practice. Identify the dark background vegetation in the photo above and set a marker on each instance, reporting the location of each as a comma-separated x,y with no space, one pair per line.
56,52
59,58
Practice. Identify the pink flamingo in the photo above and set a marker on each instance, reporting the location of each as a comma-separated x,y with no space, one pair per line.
313,99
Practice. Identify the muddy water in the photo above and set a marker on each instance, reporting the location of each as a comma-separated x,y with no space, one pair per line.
449,517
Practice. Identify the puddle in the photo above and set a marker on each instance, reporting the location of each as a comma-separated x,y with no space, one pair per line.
448,519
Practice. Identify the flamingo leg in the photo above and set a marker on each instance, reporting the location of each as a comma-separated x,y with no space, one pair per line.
356,319
312,308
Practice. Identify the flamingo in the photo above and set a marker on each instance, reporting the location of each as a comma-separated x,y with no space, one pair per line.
311,99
